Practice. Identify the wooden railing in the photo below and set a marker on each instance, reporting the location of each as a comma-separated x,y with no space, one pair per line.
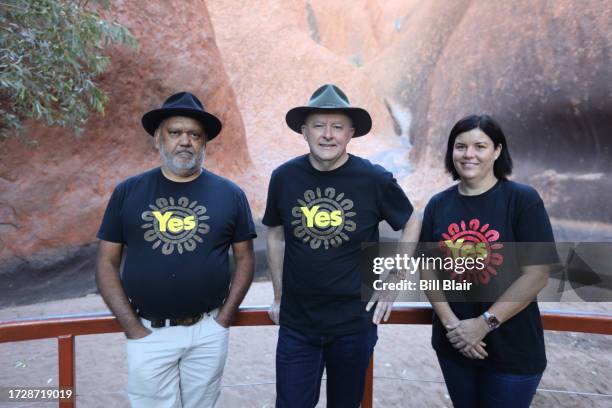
65,329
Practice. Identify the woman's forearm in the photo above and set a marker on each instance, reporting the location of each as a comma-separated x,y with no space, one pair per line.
438,300
522,292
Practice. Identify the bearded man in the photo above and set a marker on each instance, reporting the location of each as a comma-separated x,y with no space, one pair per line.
175,297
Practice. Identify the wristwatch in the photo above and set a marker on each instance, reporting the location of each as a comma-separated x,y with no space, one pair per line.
491,320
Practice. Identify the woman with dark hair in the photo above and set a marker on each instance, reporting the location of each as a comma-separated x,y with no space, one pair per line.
490,347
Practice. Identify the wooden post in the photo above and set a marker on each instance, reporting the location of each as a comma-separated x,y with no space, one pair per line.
368,392
66,365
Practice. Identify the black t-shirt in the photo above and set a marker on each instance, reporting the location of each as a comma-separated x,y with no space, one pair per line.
326,216
508,212
177,237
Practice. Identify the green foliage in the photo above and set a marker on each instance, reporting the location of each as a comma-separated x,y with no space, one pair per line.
51,51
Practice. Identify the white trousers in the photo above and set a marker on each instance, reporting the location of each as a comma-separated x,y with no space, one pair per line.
177,366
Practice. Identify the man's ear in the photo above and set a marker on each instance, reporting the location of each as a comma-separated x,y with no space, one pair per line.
156,137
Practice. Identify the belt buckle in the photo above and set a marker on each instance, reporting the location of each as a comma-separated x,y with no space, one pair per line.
186,321
158,323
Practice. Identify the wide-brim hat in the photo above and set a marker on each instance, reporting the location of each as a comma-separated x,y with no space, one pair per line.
330,98
182,104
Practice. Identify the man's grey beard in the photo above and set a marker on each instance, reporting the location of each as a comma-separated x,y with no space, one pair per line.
180,167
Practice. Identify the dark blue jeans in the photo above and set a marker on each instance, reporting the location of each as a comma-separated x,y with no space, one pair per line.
301,357
470,387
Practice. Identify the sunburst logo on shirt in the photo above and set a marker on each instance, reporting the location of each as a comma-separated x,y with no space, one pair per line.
466,238
323,218
175,224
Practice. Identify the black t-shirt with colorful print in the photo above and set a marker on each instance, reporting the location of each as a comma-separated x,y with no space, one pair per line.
326,217
177,237
508,212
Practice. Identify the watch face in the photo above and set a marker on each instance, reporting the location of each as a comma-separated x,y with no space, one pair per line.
491,320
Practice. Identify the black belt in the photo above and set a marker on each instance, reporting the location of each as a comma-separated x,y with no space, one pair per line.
157,323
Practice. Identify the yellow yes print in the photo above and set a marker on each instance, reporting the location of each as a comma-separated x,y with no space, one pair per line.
174,224
321,218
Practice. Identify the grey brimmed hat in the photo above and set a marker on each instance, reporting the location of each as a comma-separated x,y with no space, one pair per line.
182,104
330,98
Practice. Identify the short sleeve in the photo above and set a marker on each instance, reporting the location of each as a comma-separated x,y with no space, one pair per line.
533,225
244,226
111,228
395,207
272,217
427,225
427,243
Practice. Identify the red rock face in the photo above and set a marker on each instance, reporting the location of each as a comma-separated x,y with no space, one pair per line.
53,196
539,68
542,69
274,64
